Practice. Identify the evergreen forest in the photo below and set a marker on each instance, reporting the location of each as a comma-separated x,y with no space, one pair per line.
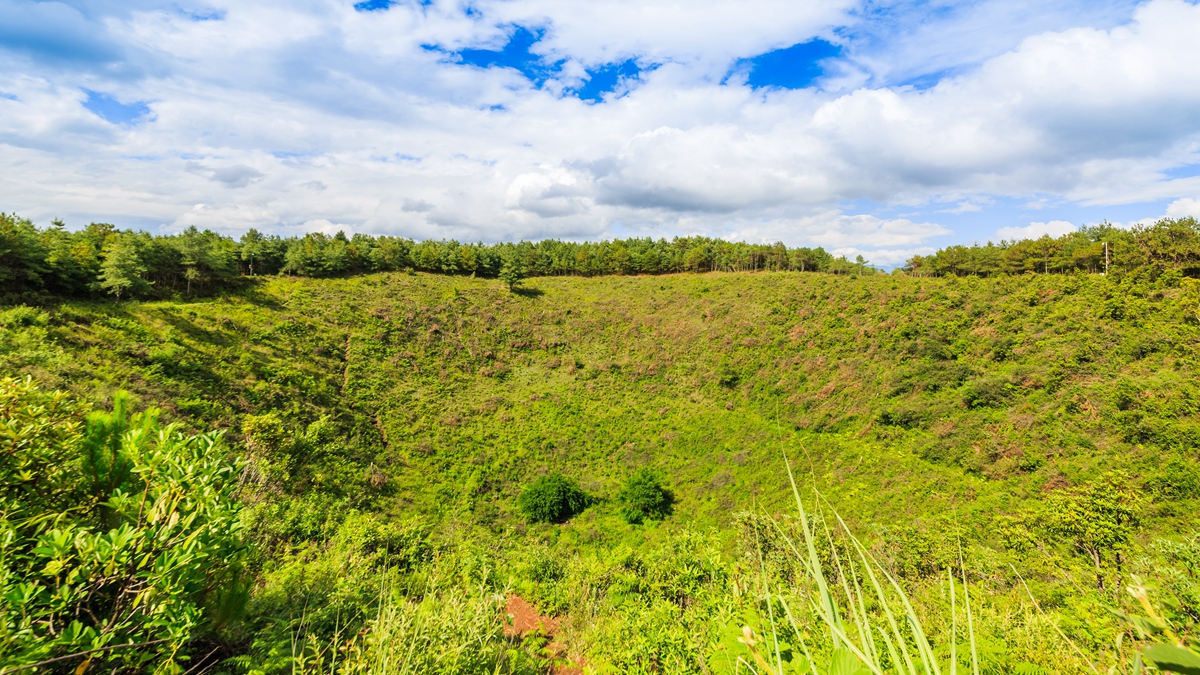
343,455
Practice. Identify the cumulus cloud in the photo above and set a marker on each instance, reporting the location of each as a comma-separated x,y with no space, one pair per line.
234,176
1179,208
883,258
1184,208
705,32
286,116
1054,228
882,242
53,31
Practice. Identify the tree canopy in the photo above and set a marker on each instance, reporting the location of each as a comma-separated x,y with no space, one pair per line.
1170,243
101,259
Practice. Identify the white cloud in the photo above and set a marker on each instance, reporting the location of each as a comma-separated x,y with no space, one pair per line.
1054,228
883,258
964,207
1180,208
1183,208
708,32
884,243
286,115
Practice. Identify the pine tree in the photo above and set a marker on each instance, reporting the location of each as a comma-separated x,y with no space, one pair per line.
122,268
512,273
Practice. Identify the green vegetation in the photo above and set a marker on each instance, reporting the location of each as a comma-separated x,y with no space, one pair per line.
1171,244
513,272
552,499
1029,441
122,269
119,538
36,264
100,259
644,497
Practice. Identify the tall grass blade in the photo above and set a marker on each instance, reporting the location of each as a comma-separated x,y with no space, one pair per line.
814,562
851,598
970,623
953,624
891,647
918,633
866,633
868,567
853,648
1061,634
812,664
770,606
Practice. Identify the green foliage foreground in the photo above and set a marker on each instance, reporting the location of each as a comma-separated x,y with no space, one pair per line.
119,538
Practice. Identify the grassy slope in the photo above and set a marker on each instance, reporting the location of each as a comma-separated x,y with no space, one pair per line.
912,402
699,376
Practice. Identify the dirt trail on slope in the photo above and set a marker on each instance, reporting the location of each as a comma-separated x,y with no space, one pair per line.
526,621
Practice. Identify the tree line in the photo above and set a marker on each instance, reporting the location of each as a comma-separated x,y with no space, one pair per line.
1169,244
101,259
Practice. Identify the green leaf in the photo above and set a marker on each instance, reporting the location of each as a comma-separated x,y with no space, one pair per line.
1174,659
844,662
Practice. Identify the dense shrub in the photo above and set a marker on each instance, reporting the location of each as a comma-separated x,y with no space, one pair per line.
930,376
552,499
1098,519
23,316
905,418
119,538
1177,478
1002,347
986,392
645,497
942,451
917,553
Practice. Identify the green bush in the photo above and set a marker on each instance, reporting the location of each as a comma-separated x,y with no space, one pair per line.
986,392
552,499
119,537
644,497
905,418
1176,478
23,316
512,274
1002,347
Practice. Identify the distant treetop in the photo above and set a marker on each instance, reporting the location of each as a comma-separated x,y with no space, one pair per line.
57,261
1171,243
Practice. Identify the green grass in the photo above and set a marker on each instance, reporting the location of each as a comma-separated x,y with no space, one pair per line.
925,410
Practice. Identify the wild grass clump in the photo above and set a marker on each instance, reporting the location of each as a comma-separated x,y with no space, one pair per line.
853,617
827,605
449,628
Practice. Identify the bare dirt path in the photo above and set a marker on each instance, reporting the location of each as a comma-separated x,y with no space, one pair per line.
524,620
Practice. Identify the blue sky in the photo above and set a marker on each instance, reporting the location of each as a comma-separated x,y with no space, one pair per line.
883,127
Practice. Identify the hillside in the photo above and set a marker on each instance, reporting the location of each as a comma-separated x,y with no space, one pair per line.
923,409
